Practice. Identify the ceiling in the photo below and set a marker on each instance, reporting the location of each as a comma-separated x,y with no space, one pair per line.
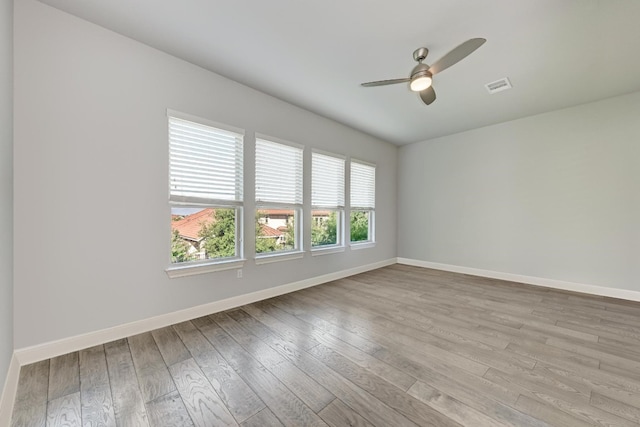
315,54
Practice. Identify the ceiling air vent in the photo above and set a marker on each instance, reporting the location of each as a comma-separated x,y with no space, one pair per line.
498,85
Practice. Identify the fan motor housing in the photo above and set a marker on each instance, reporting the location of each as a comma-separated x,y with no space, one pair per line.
420,69
420,54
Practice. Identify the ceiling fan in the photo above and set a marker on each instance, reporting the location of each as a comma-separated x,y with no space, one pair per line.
422,74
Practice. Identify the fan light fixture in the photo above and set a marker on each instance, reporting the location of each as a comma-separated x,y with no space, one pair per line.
421,82
420,79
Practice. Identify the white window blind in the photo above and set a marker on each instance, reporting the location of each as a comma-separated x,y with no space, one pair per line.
363,185
278,173
327,181
205,163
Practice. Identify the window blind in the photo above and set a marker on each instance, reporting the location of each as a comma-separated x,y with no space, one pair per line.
205,163
363,185
278,173
327,181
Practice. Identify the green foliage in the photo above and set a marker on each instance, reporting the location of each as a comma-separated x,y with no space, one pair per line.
325,232
270,244
359,226
263,244
179,248
289,236
219,240
220,235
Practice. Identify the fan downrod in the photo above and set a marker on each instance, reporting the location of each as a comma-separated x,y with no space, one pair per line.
420,54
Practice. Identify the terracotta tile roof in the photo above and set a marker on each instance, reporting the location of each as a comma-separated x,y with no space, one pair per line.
289,211
276,211
189,226
267,231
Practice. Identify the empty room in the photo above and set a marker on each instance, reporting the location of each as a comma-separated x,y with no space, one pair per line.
291,213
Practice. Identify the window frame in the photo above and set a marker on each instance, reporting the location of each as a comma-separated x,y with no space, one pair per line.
370,209
188,268
297,208
340,244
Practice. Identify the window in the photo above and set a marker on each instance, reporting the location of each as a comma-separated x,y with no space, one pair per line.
278,197
205,191
363,202
327,200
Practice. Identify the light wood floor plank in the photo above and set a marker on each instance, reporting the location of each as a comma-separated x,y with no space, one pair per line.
337,414
153,376
95,391
620,358
168,410
631,413
309,391
412,408
321,329
451,407
64,376
127,398
236,394
383,370
548,413
65,411
170,345
397,346
282,402
264,418
201,400
573,404
369,407
30,407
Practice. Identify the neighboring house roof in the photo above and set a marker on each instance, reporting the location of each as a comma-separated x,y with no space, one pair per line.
189,226
275,211
288,212
266,231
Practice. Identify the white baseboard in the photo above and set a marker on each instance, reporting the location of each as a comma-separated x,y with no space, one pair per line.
67,345
9,391
530,280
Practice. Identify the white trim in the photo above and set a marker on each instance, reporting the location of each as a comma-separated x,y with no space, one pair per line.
320,250
277,257
179,270
9,390
67,345
277,140
530,280
355,246
330,154
203,121
363,162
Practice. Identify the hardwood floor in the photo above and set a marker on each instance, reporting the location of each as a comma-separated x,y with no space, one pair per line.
398,346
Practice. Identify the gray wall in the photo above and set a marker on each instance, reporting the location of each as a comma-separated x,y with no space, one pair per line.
555,196
6,186
91,177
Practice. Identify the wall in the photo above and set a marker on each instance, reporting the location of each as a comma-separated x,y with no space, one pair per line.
91,173
6,186
553,196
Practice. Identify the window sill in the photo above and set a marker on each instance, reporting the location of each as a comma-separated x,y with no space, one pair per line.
364,245
277,257
193,269
327,251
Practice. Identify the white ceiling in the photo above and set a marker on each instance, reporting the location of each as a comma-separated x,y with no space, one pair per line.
315,54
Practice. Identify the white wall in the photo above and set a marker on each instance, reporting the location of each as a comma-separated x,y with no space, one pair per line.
6,186
554,196
91,173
